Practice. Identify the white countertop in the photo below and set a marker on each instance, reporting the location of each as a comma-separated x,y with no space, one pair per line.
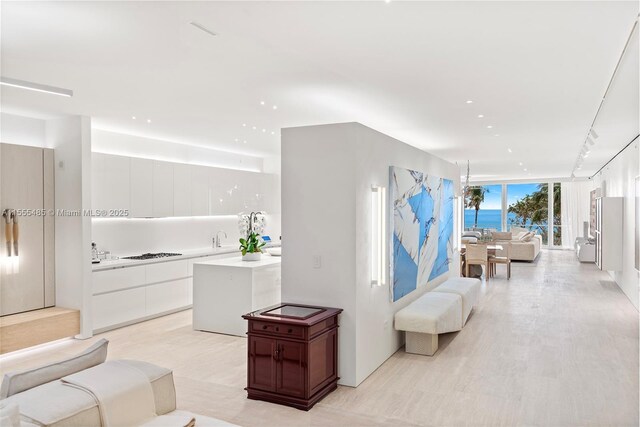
186,254
237,262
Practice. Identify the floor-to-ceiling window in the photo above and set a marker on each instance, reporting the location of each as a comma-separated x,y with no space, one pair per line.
527,207
483,207
523,205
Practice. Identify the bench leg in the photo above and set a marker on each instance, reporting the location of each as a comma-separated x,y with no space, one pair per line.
424,344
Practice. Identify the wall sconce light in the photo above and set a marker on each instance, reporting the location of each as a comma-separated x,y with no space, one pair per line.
378,236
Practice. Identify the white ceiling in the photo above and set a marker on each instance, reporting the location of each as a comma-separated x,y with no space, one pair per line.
535,70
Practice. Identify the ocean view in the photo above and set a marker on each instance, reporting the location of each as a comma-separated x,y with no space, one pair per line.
487,218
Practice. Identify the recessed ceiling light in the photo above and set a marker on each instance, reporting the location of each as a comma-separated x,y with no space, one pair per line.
36,87
273,133
469,101
253,127
236,140
489,127
275,107
133,117
245,141
264,130
261,102
497,134
525,169
519,163
509,150
244,125
387,1
148,120
480,116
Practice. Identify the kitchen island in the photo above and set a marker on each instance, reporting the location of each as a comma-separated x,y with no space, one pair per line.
225,289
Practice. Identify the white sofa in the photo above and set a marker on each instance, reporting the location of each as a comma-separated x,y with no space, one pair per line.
521,250
40,397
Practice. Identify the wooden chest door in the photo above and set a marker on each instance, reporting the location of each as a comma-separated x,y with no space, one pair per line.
292,368
262,363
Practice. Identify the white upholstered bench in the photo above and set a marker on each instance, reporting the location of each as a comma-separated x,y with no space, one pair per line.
467,288
445,309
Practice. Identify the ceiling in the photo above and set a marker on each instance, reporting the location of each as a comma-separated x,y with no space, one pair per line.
535,70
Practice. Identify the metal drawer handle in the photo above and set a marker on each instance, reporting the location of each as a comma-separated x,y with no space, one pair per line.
290,331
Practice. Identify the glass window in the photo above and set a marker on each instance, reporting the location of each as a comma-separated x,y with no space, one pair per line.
557,215
483,207
527,207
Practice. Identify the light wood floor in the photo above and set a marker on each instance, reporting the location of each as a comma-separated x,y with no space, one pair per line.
556,345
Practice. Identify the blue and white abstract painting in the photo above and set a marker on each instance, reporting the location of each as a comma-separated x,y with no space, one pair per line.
422,208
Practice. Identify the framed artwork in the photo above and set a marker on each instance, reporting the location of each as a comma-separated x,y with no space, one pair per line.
422,214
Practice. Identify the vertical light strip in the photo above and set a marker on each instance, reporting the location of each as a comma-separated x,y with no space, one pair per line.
375,239
381,237
378,233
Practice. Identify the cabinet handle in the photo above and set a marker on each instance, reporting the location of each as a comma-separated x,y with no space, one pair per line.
290,330
276,354
277,329
264,327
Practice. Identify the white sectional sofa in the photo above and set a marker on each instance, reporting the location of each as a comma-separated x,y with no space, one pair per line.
40,396
523,247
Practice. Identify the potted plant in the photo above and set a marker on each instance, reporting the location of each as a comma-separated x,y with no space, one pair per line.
251,247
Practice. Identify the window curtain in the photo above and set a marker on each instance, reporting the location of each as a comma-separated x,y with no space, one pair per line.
574,210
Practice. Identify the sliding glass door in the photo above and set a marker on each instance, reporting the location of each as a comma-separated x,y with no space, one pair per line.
527,207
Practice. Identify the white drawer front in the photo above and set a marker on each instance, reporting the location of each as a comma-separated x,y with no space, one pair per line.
119,278
118,307
167,296
164,271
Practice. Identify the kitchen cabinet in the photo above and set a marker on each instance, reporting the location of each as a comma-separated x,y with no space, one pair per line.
292,354
162,198
110,182
117,308
154,189
200,191
181,190
141,188
130,294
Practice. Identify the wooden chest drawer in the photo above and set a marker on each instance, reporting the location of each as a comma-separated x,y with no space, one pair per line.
277,329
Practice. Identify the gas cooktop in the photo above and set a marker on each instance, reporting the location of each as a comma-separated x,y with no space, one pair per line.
151,256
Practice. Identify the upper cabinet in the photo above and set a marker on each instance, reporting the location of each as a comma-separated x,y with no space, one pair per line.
141,188
156,189
110,182
181,190
162,189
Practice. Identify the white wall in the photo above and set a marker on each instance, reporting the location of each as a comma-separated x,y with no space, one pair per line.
327,174
22,130
71,140
135,146
618,180
139,235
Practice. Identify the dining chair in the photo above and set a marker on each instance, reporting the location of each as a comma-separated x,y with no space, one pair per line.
494,260
477,255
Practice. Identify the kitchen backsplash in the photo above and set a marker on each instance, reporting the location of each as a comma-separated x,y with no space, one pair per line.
135,236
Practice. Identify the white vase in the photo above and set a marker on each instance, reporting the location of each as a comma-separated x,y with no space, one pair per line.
252,256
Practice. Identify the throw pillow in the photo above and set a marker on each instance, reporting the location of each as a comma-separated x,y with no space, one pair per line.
499,235
16,382
527,237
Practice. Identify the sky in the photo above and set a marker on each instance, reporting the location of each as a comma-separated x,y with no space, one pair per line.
493,198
